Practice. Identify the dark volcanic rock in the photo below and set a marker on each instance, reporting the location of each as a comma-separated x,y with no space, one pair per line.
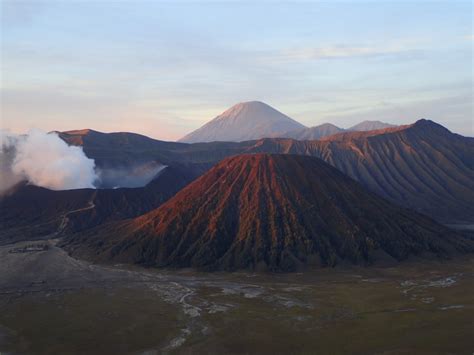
276,212
422,166
30,212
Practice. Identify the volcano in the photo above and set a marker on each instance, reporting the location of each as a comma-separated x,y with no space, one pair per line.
422,166
244,121
270,212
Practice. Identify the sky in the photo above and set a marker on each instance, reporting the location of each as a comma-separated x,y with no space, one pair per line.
164,68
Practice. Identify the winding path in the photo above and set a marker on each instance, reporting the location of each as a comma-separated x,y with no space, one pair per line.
65,217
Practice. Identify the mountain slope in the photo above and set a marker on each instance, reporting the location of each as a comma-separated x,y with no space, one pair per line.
370,126
422,166
311,133
30,212
276,212
244,121
118,149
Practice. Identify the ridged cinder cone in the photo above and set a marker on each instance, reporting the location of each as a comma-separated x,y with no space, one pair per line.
271,212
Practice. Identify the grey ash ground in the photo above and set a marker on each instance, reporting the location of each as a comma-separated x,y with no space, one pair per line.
52,303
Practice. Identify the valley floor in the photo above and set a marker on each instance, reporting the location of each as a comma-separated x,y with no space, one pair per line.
52,303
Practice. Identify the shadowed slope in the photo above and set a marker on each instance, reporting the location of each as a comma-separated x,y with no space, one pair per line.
422,166
275,212
118,149
30,212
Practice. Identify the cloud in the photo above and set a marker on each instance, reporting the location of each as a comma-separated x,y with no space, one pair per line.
345,51
45,160
137,175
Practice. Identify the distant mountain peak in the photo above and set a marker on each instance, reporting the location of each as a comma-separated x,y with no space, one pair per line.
424,122
312,133
243,107
370,126
251,103
327,124
244,121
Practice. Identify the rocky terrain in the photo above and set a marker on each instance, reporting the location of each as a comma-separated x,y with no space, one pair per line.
422,166
30,212
270,212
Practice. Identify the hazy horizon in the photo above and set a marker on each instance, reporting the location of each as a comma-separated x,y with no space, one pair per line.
164,69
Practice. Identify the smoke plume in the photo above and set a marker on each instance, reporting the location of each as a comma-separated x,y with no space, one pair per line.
44,159
136,175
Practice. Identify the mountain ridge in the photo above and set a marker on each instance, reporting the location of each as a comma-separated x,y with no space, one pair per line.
312,133
270,212
422,166
29,212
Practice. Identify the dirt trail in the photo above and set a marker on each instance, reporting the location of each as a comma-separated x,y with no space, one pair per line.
65,217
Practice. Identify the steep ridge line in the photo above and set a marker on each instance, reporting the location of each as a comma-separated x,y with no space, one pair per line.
276,212
421,166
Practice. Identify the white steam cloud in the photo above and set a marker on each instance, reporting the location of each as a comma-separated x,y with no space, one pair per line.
136,175
44,159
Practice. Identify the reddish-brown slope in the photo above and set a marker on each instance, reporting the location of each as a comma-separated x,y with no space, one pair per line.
422,166
270,211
